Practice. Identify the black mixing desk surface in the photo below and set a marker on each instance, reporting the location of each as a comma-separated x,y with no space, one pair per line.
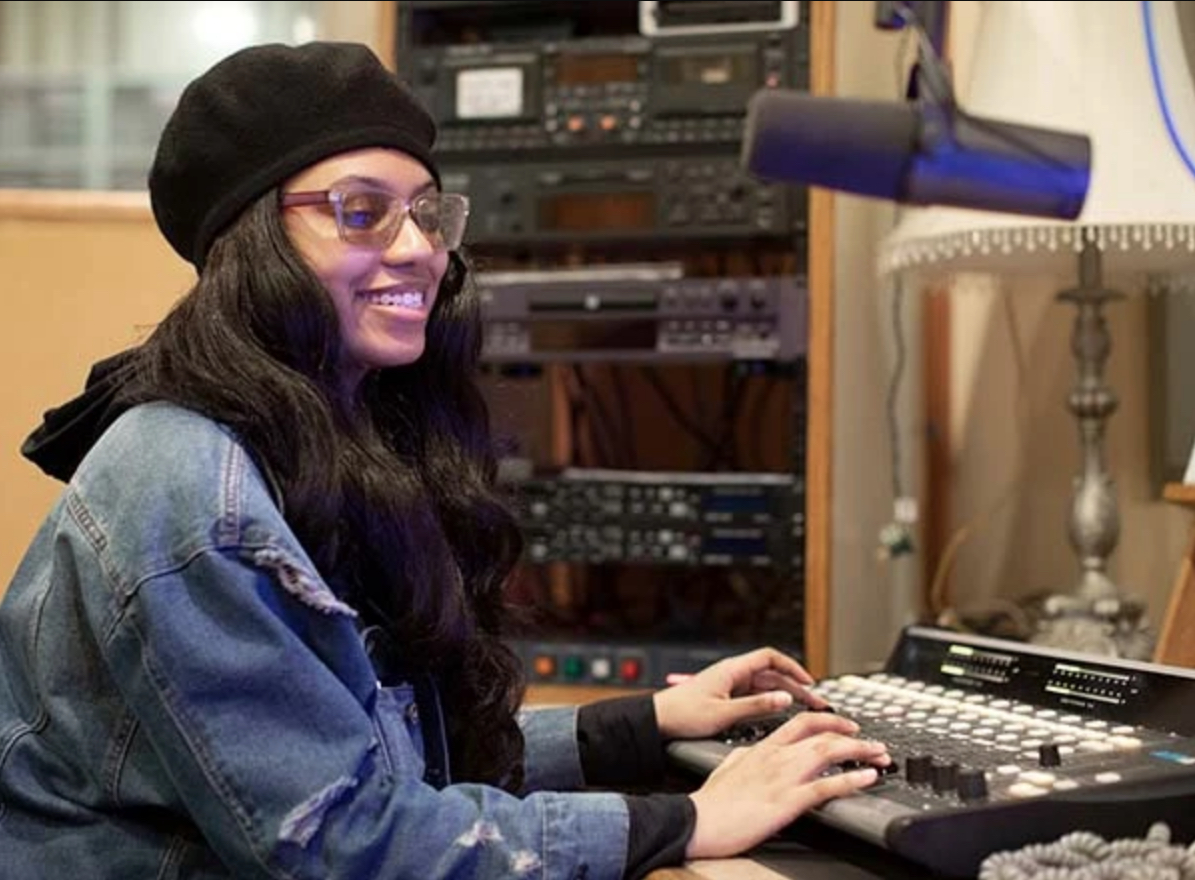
999,744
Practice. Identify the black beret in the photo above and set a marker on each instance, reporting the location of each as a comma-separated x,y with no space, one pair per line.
265,113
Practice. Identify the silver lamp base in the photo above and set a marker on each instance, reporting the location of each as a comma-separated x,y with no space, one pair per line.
1096,617
1112,626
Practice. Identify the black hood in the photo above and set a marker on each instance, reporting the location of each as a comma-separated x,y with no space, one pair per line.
68,431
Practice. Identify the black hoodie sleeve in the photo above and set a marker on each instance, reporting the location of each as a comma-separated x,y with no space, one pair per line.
68,431
619,742
661,825
620,745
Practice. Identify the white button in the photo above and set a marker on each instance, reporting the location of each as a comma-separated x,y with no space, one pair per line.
1025,790
1038,777
1125,742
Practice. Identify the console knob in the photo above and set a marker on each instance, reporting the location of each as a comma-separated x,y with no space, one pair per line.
1048,755
972,785
944,777
917,769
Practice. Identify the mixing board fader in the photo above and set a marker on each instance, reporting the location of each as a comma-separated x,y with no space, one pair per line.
998,744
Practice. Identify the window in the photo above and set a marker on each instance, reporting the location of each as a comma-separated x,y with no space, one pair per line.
86,87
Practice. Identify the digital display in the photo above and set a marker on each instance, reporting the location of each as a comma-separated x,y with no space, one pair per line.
489,93
737,503
713,69
964,661
734,546
1080,683
587,335
586,69
589,212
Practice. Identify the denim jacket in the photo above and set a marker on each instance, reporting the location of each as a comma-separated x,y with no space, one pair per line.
182,696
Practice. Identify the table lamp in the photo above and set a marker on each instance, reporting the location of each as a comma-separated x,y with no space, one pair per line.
1116,71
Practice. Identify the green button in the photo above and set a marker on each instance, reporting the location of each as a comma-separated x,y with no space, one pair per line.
574,667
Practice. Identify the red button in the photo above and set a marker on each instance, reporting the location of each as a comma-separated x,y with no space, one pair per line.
630,669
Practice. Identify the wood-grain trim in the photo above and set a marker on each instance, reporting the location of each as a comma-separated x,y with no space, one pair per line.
73,205
937,511
819,448
1179,493
1176,640
386,35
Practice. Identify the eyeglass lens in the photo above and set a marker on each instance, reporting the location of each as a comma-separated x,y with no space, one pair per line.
373,218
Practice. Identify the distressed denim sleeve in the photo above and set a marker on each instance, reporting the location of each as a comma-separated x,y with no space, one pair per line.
552,759
624,741
288,774
246,674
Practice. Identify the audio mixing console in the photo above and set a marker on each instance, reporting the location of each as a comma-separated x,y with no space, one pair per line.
999,744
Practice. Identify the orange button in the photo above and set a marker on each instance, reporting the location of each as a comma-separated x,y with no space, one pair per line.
545,666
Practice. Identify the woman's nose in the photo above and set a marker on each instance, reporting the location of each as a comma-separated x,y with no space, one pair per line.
409,244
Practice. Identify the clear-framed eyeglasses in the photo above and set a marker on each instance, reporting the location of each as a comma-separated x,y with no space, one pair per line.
372,218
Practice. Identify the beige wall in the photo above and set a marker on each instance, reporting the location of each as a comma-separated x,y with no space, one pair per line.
870,598
81,281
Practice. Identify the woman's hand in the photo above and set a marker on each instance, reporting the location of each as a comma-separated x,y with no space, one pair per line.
760,789
760,682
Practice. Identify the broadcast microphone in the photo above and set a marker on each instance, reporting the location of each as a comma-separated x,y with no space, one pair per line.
915,152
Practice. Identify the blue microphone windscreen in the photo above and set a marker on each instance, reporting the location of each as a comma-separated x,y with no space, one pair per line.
853,145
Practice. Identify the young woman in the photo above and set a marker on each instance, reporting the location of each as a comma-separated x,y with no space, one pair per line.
260,635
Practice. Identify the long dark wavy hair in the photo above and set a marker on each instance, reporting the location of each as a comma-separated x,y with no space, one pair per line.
390,489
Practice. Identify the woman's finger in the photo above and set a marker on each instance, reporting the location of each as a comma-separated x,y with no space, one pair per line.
808,723
775,680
